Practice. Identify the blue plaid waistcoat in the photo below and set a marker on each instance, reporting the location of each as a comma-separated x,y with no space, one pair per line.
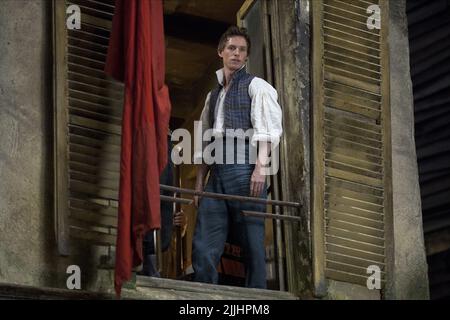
237,104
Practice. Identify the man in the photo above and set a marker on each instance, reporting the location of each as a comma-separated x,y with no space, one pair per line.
240,101
168,220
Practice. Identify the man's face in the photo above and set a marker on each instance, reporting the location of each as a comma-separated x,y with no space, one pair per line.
234,55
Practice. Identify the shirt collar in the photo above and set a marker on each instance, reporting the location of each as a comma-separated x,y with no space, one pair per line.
220,75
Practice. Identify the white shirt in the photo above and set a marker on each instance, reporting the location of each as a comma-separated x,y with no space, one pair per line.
266,114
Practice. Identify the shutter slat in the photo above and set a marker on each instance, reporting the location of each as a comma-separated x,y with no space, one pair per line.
335,141
339,188
94,98
93,218
354,235
349,136
351,30
350,176
97,238
93,89
350,269
94,136
95,125
93,81
345,208
95,152
98,206
364,96
108,182
93,108
378,258
347,277
355,219
342,49
354,244
92,190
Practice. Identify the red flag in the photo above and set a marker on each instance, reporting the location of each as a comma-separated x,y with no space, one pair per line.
136,56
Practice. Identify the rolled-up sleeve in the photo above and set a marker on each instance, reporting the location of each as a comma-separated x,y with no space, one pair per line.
204,118
266,114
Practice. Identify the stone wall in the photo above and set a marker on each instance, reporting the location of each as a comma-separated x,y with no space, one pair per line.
27,242
409,278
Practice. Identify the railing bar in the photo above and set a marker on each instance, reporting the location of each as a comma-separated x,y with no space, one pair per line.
267,215
229,196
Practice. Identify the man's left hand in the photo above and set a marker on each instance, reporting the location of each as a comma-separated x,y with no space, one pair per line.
257,182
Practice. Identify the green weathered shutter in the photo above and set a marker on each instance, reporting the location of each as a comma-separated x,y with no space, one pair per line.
351,141
88,112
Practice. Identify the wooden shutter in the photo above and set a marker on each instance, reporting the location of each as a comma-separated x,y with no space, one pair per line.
88,112
351,142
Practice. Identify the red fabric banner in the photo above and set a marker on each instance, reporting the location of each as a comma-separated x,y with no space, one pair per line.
136,57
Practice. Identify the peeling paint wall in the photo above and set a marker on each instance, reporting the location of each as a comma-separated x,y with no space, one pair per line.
27,243
410,280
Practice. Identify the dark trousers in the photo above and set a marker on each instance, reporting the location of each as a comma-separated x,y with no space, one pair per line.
215,217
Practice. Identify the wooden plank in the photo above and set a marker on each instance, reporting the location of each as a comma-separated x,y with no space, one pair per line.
332,223
85,61
374,194
342,104
354,244
351,136
95,125
355,236
352,18
351,120
96,116
348,277
346,217
93,237
109,149
94,98
372,210
353,161
91,205
92,190
337,191
365,97
245,8
352,153
101,182
344,124
336,143
352,169
341,174
354,61
343,71
110,84
346,208
85,44
355,253
318,172
347,36
342,49
95,152
100,91
96,21
387,139
359,7
93,218
59,32
350,268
